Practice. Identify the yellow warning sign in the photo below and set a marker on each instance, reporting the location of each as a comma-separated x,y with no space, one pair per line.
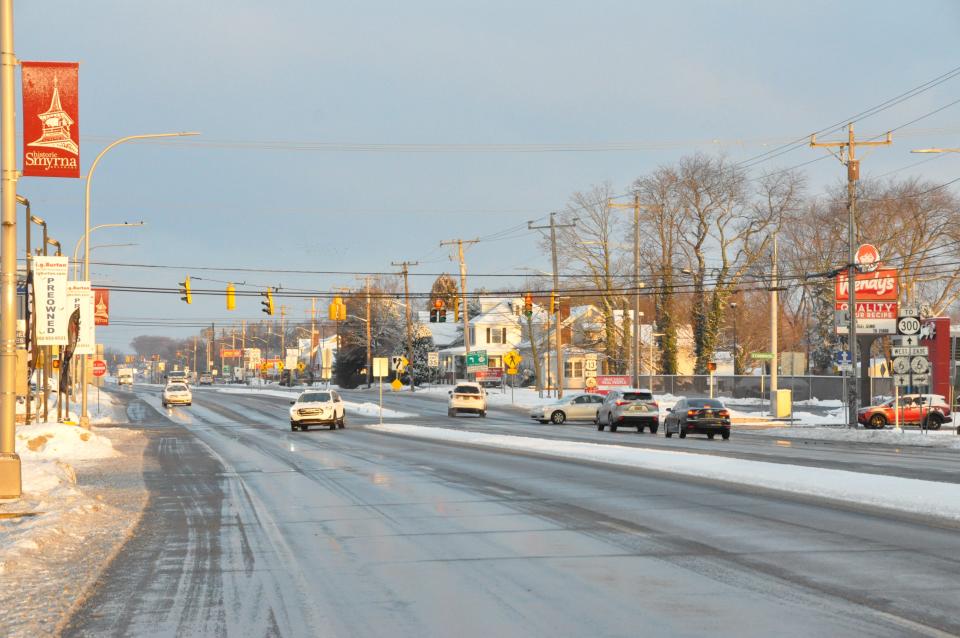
512,359
396,385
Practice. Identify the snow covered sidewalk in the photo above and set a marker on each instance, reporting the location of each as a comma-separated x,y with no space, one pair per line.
82,494
907,495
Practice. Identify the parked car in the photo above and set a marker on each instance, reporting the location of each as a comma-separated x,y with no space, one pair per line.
467,397
177,394
576,407
629,407
697,415
317,408
205,379
915,409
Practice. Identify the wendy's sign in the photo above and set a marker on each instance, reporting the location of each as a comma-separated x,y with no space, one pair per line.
51,119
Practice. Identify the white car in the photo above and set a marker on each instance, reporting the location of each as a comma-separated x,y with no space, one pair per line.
317,407
576,407
177,394
467,397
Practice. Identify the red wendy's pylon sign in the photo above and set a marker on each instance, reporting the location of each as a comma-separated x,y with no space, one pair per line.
51,119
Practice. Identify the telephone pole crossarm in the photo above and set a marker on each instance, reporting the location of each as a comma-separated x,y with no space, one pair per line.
463,290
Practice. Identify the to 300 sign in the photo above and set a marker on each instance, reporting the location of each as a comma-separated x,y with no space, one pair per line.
908,325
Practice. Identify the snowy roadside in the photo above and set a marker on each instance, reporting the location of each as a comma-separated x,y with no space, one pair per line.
946,437
914,496
366,408
82,494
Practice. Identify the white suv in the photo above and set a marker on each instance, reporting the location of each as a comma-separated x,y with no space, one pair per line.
467,397
317,407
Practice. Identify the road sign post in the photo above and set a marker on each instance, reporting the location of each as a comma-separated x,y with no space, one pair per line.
381,368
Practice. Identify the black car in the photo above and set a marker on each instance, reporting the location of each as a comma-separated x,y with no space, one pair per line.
697,416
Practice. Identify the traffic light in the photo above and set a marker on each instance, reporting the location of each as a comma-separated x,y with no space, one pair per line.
528,305
553,303
231,297
456,310
438,312
267,303
185,294
337,310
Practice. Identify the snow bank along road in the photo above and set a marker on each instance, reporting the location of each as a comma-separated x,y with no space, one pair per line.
252,529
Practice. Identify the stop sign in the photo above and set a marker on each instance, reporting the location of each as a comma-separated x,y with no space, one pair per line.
99,368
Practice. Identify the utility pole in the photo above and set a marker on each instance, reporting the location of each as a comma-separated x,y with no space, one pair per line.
774,301
243,349
405,266
463,294
283,334
558,331
847,155
313,333
637,284
366,285
10,475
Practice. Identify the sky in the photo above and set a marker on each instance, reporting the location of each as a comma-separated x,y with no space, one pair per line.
345,136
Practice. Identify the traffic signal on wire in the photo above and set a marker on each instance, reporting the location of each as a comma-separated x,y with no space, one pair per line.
185,294
438,313
528,305
231,297
337,310
267,302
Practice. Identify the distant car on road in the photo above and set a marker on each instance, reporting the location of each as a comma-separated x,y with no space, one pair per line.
205,379
576,407
629,407
177,394
177,377
467,397
315,407
915,409
697,415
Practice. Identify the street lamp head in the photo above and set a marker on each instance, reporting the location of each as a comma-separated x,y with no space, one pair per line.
37,220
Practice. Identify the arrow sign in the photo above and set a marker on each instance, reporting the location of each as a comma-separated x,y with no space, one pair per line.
909,340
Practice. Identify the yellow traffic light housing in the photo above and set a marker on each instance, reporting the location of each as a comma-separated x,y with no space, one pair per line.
337,310
231,297
185,294
267,303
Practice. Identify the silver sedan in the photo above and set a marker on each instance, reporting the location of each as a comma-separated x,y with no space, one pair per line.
576,407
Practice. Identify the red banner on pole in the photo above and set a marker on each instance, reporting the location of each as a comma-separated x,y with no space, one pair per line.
51,119
101,307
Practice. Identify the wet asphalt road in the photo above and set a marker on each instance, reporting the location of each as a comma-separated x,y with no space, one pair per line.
252,529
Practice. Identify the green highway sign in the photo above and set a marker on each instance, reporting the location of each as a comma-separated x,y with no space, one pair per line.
477,361
762,355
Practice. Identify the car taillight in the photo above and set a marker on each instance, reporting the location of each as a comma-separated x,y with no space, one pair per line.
619,403
691,413
723,413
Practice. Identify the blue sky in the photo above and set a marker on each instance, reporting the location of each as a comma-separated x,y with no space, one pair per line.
678,77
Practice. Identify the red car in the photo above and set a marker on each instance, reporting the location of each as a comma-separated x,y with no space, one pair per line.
915,409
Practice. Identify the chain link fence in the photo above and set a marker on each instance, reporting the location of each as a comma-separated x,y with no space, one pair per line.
805,388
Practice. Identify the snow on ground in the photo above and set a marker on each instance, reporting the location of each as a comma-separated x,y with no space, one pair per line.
945,437
365,409
81,497
904,494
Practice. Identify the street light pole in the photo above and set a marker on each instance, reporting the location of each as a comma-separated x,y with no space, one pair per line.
76,247
10,477
84,418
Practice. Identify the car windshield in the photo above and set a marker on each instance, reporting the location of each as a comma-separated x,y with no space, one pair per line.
704,403
177,388
637,396
466,389
315,397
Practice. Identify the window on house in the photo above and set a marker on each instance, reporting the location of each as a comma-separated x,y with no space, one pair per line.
573,369
496,335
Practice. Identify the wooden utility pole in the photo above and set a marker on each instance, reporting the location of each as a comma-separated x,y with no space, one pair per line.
313,332
846,153
366,285
405,270
463,293
637,284
553,226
